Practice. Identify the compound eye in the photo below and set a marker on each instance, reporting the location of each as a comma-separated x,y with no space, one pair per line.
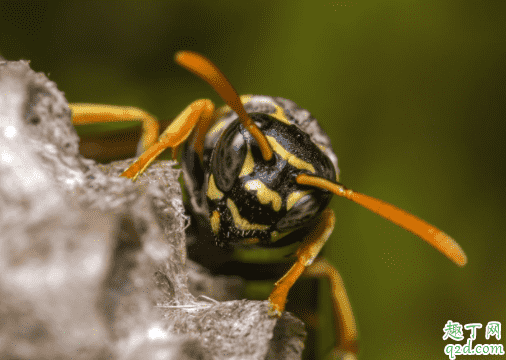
303,210
228,157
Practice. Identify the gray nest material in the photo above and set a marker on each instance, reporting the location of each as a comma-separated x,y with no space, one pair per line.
93,265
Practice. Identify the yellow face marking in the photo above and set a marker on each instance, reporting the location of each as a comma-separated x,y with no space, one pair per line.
275,236
247,167
240,222
264,194
215,222
292,159
294,197
212,191
280,115
245,98
280,112
250,241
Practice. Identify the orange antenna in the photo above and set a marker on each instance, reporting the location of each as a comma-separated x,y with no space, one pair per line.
417,226
204,68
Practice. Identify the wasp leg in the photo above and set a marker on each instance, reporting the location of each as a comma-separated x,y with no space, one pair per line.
85,114
306,253
198,114
344,322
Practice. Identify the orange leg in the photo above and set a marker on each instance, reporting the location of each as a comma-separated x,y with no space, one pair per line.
344,322
198,115
305,254
85,114
306,264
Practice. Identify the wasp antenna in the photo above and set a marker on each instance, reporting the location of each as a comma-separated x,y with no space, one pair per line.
205,69
437,238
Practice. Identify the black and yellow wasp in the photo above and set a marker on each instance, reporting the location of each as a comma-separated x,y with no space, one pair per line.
261,172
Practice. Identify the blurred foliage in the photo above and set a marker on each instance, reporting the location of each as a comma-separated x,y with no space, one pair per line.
412,93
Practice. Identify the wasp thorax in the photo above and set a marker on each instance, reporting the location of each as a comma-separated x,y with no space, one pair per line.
250,198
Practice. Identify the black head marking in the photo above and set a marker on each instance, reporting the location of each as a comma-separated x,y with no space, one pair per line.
228,157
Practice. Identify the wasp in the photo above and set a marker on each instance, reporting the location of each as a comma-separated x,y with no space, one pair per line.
260,172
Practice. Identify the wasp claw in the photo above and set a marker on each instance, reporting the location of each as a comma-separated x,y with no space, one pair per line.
274,309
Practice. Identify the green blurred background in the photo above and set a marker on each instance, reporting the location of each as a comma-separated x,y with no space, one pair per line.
412,94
